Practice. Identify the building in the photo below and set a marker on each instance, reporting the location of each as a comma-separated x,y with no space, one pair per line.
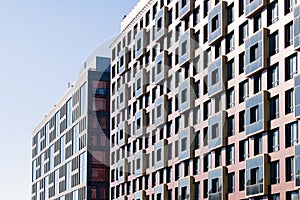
205,101
70,147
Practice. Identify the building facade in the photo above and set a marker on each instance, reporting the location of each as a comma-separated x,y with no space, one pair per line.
70,147
205,101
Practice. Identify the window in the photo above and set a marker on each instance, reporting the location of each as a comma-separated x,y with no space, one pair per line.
273,44
292,195
218,158
215,23
289,169
274,140
242,180
184,48
291,134
205,136
183,144
206,110
256,22
184,96
289,101
242,120
230,69
257,83
289,34
241,63
243,32
230,42
275,172
158,155
206,7
230,155
241,7
215,131
273,76
215,185
230,126
254,115
275,197
290,67
215,77
230,98
258,145
289,5
218,50
205,188
274,107
254,53
231,182
207,162
272,12
244,150
230,14
254,176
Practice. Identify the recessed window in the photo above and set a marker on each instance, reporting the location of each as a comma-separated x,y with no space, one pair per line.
138,164
121,97
215,185
159,109
289,34
273,76
275,172
273,141
272,12
273,44
159,24
254,176
256,22
254,53
254,117
215,77
158,67
257,83
243,32
158,155
183,144
289,101
291,67
184,48
215,131
215,23
289,5
184,96
289,169
291,134
231,182
139,44
121,134
138,123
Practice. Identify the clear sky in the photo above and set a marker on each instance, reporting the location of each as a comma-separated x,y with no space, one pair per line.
42,46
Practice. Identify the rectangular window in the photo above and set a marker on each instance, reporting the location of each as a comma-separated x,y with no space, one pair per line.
273,76
289,101
242,120
243,91
215,23
273,43
230,42
244,150
274,107
206,110
275,172
230,69
291,134
258,145
256,22
289,169
254,53
290,67
215,131
231,182
243,32
273,143
241,7
272,12
254,176
230,13
289,5
230,126
230,155
215,76
206,7
230,98
257,83
218,158
242,180
254,115
289,34
241,63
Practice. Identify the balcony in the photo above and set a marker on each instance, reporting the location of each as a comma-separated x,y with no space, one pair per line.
297,165
186,95
161,156
161,23
216,184
216,76
256,52
186,143
257,173
216,23
160,114
141,195
123,133
122,170
257,113
123,97
140,163
161,68
217,130
297,96
140,44
140,83
297,28
185,7
186,188
160,192
186,47
123,61
140,121
253,6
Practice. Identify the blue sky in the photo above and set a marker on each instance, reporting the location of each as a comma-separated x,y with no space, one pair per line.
42,46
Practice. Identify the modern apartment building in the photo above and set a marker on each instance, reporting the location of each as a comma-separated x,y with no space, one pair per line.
206,100
70,147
